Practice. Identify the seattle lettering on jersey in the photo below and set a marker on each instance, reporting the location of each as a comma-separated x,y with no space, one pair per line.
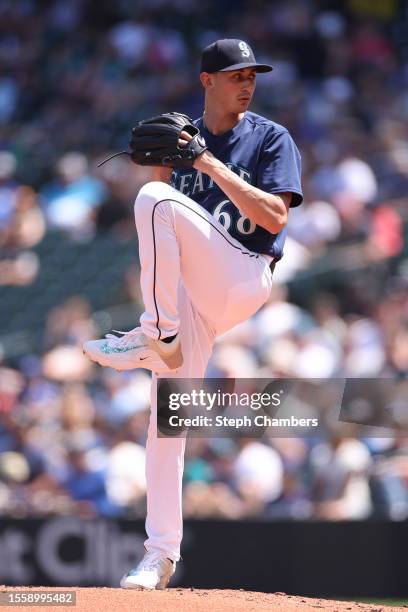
263,154
195,182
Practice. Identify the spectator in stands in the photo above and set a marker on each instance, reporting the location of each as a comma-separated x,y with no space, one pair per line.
71,200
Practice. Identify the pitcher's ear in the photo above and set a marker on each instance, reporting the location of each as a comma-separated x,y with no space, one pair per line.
206,79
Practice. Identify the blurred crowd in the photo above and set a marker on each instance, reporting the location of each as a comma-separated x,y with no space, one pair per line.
73,79
73,434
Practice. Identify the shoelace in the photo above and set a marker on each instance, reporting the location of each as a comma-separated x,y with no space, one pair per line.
150,560
129,337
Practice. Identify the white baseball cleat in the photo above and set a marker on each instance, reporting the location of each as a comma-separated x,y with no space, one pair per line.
133,349
153,572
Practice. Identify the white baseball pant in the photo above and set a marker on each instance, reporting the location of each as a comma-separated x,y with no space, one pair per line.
197,281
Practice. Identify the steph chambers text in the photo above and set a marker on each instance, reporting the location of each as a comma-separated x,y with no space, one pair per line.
260,420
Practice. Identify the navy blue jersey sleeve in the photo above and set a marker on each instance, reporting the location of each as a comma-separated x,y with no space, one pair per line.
279,167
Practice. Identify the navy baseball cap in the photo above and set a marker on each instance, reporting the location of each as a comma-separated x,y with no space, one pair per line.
230,54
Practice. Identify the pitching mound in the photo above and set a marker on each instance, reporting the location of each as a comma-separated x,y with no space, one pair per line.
198,600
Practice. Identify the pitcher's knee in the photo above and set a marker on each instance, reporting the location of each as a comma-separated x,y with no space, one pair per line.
151,193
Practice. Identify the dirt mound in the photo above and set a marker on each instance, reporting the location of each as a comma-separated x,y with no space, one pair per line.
199,600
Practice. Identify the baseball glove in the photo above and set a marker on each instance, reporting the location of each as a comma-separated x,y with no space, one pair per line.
155,142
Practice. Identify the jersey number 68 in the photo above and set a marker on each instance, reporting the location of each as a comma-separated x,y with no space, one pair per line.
244,224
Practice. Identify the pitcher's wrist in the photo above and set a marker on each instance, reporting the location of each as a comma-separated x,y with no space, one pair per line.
205,162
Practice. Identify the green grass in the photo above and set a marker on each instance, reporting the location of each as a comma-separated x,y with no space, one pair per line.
382,602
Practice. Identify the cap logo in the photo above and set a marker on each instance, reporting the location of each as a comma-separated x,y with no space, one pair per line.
245,52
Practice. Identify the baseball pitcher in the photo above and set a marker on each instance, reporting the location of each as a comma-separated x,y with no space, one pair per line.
210,228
